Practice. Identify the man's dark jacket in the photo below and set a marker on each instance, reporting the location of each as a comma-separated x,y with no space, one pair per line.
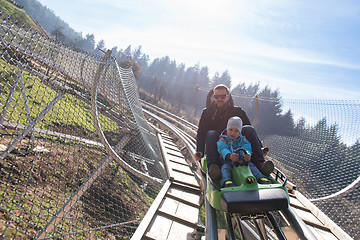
215,119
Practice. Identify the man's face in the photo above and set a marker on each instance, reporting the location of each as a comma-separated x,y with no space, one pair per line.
220,98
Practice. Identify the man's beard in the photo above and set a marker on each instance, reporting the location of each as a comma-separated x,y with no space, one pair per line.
222,107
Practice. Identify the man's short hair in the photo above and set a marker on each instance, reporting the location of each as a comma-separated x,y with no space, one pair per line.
222,86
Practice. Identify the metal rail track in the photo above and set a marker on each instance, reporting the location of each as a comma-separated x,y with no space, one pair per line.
174,212
304,219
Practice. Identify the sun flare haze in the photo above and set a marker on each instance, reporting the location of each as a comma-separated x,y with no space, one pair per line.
304,49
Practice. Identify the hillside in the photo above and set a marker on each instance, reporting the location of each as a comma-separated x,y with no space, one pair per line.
36,184
8,8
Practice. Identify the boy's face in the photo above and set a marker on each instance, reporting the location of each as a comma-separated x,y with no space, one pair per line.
233,133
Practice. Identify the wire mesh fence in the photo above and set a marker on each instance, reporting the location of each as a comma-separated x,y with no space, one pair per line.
319,152
322,157
78,160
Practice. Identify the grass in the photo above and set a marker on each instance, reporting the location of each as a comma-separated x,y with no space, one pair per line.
54,178
60,172
69,111
9,9
34,186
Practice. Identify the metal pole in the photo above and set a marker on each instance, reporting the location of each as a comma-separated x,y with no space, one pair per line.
298,224
8,101
276,227
262,226
242,234
25,102
229,226
31,125
66,208
211,231
258,229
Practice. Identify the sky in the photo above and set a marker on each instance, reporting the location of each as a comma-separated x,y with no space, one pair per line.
306,49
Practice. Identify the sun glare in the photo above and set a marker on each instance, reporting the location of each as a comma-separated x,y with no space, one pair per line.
200,8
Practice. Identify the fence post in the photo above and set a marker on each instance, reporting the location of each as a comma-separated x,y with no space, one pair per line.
31,125
26,103
66,208
8,101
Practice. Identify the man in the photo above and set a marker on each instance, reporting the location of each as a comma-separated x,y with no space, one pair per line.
213,121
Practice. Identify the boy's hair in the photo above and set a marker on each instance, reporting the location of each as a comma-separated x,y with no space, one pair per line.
222,86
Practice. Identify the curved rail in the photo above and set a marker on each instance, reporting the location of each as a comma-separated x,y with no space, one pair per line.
171,117
301,227
183,191
100,132
193,128
340,193
186,140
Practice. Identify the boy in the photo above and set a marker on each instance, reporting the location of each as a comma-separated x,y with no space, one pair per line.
227,144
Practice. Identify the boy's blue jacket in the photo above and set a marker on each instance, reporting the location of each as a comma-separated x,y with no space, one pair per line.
225,146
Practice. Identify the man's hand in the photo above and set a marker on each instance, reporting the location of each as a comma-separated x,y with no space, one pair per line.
234,157
247,157
265,151
198,156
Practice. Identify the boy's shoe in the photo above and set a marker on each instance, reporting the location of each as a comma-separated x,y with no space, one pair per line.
214,172
228,184
263,181
266,167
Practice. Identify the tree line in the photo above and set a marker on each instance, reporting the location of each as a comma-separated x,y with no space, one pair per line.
166,79
182,86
